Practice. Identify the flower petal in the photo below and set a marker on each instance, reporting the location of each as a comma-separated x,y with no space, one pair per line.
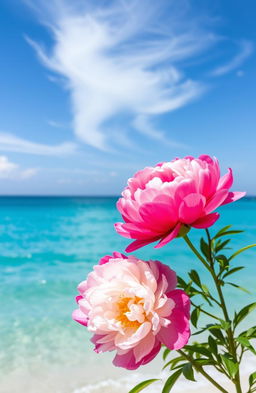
80,317
233,196
226,181
217,199
181,300
138,244
144,347
169,237
191,208
177,333
206,221
159,217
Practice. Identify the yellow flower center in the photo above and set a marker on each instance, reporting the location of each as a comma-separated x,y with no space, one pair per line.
124,307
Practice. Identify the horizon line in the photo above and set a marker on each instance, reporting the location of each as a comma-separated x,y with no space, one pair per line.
76,196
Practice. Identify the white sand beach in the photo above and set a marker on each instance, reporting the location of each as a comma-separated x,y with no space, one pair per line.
105,378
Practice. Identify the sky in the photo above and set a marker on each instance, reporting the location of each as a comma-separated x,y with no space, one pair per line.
91,91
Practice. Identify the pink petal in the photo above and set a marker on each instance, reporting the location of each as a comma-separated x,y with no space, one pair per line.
175,335
169,237
185,187
127,208
182,301
217,199
126,361
78,298
226,181
144,347
82,287
153,353
208,159
121,230
106,258
138,244
159,217
80,317
233,196
127,342
169,274
135,231
206,221
191,208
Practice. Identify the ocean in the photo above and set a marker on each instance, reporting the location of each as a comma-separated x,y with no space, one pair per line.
48,245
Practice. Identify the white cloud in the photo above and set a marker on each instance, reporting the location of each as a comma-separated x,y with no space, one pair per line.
28,173
245,50
6,167
12,143
10,170
117,59
56,124
142,124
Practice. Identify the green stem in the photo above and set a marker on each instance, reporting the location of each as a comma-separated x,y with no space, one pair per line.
231,340
206,312
199,256
222,303
201,371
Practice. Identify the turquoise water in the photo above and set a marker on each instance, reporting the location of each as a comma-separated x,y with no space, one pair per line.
48,245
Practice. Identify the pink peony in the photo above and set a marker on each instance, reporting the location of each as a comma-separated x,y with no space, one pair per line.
131,306
163,202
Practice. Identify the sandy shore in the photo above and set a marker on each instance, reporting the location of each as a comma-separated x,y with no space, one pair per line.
102,377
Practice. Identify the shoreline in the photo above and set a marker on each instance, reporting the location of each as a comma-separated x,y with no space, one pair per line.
100,376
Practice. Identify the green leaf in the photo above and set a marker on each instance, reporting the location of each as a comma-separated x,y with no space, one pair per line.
181,282
245,343
243,313
232,271
205,289
252,378
238,287
171,381
188,372
213,345
195,316
205,362
223,261
166,353
195,277
224,324
241,250
225,233
199,349
231,365
142,385
173,362
205,248
220,245
250,333
223,230
215,330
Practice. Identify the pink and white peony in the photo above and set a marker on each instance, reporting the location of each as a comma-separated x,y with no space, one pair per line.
132,307
163,202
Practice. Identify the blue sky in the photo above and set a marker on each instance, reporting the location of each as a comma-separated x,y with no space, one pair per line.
93,92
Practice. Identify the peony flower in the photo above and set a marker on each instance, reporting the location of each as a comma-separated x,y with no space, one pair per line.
132,307
163,202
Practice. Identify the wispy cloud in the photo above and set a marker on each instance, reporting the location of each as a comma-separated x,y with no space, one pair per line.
10,170
245,50
57,124
143,125
6,167
12,143
116,58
